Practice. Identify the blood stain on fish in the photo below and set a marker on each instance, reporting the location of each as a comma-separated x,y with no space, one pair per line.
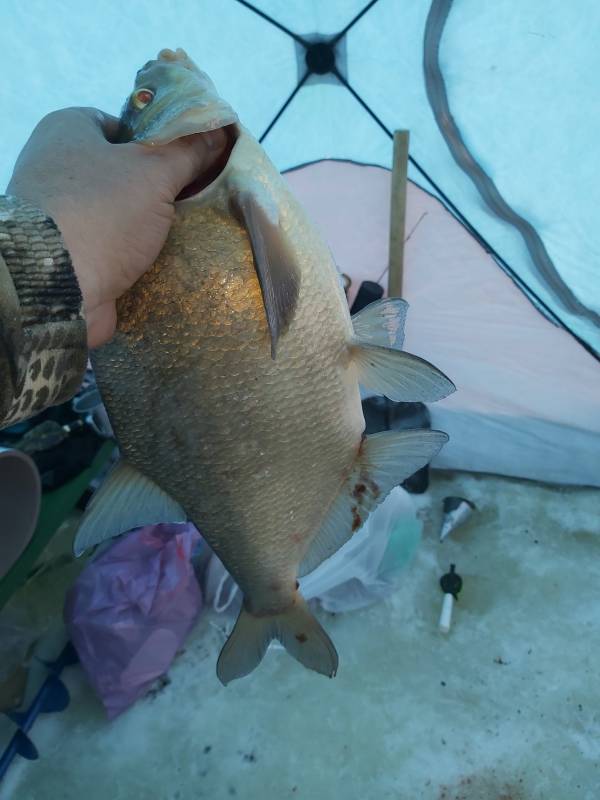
359,491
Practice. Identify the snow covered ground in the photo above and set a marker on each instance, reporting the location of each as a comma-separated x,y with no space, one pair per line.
507,707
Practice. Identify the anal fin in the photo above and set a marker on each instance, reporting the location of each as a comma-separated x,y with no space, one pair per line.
384,461
127,499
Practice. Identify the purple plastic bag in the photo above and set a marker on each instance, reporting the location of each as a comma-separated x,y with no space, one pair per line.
131,609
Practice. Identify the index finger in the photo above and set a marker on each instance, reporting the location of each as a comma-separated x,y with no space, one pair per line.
86,120
106,123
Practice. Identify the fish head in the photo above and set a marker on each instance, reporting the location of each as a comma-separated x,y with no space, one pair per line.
172,98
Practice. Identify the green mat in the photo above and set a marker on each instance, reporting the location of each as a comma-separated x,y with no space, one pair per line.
55,508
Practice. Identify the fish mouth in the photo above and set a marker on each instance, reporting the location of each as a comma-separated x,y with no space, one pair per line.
173,119
210,175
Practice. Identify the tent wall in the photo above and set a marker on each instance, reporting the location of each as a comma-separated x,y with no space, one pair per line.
528,395
521,80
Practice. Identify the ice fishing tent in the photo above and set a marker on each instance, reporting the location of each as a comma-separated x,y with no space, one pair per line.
517,410
500,269
501,101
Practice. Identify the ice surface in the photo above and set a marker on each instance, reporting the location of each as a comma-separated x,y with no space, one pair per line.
506,706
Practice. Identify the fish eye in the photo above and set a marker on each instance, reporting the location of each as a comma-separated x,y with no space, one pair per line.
142,97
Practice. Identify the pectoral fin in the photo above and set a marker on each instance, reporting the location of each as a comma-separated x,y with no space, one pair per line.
274,259
127,499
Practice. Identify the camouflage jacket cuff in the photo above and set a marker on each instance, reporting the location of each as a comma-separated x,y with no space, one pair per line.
43,345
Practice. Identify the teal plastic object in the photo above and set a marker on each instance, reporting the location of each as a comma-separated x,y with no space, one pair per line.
402,546
20,495
55,508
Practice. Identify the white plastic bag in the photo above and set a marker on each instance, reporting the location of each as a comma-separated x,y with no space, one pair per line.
360,573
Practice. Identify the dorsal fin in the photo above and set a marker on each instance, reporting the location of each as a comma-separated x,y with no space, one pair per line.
127,499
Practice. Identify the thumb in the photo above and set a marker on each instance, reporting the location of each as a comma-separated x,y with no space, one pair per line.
189,158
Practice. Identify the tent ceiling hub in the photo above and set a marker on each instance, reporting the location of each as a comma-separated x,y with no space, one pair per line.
320,57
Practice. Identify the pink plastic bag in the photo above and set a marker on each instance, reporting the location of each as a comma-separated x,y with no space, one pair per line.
131,609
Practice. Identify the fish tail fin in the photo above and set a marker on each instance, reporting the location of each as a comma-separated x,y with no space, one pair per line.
382,366
297,630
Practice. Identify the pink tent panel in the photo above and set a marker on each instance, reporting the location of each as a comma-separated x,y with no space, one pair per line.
528,399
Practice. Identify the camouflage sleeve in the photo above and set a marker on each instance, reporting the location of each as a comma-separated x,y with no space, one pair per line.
43,350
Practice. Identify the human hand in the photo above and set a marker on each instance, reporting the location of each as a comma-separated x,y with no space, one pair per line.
113,203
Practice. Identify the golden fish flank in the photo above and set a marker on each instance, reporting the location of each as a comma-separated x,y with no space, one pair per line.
232,382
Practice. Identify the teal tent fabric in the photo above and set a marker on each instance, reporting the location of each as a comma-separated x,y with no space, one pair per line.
521,80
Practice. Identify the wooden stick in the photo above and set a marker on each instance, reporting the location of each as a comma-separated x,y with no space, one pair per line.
398,213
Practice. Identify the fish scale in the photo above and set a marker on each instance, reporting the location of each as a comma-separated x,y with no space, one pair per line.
232,382
215,438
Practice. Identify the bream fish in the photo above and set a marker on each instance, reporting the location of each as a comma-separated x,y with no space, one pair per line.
232,382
